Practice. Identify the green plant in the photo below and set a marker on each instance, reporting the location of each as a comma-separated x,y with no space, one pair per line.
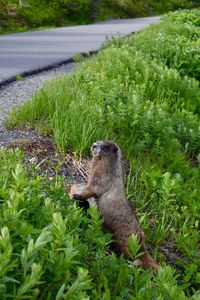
175,44
19,77
78,57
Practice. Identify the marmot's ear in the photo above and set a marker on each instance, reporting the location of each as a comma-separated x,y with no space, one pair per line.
115,149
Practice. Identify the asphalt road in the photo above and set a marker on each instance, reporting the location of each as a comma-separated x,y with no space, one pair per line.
28,52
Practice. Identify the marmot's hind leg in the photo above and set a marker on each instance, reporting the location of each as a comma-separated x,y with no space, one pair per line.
124,249
146,259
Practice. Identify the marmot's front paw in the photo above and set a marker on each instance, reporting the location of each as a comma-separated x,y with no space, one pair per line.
83,204
77,197
76,190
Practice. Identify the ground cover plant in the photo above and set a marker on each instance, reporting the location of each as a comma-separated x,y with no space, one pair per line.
145,97
183,54
50,249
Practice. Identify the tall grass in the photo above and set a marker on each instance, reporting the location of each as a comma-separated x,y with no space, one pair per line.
132,101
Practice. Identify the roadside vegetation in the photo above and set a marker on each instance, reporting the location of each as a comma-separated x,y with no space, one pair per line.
143,92
22,15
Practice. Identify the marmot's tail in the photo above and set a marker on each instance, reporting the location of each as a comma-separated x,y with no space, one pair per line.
146,260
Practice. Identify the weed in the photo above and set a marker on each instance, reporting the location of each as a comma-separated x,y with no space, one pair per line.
19,77
78,57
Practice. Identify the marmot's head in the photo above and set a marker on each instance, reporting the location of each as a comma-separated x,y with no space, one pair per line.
104,148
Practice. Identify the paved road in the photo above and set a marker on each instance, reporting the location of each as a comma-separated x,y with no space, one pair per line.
32,51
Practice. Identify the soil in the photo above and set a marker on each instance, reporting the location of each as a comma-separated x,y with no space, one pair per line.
41,151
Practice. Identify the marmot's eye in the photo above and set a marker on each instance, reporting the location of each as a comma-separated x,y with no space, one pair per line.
115,149
106,148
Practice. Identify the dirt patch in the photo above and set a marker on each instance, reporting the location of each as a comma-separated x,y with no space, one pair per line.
49,162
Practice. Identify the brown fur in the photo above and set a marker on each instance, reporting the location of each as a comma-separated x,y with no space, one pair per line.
105,183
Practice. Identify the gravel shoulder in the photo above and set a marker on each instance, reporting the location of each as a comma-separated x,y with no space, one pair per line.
16,93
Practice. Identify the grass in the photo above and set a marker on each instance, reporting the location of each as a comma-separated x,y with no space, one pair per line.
145,97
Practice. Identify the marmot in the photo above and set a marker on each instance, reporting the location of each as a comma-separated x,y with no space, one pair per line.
106,184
